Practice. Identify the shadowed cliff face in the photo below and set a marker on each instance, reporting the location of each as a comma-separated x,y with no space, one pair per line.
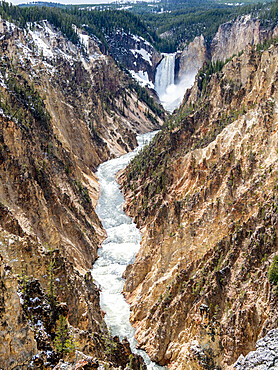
134,53
204,194
62,113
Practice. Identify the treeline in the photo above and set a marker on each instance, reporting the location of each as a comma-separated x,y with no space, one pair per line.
98,23
181,26
167,31
60,18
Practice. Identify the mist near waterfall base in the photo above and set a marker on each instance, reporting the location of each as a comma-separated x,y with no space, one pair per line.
171,93
174,93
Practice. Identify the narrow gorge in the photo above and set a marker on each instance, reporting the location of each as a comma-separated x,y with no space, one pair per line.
62,114
138,187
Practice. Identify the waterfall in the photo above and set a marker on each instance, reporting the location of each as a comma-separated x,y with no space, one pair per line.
170,93
165,74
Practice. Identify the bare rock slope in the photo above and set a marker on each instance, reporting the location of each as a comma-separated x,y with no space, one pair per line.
63,111
230,39
204,194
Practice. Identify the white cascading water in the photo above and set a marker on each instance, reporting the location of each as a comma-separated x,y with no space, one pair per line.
118,250
170,93
165,73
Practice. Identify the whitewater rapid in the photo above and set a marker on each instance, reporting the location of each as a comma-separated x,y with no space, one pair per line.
118,250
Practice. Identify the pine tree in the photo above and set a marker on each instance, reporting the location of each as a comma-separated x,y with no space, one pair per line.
63,341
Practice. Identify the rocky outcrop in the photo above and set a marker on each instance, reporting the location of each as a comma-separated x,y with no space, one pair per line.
192,58
134,52
232,37
265,356
93,89
204,195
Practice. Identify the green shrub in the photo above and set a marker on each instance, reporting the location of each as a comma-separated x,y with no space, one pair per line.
273,271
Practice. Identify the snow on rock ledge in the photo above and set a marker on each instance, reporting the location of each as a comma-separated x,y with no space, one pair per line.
142,78
51,43
135,53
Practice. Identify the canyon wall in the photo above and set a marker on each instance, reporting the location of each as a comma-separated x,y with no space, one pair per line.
135,53
204,195
191,59
63,111
205,198
230,39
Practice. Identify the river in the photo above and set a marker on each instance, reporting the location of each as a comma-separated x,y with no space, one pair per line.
118,250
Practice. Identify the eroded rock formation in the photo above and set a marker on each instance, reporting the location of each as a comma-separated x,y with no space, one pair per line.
62,113
232,37
204,194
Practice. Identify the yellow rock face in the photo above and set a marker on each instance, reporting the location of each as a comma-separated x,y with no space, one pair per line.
209,234
48,187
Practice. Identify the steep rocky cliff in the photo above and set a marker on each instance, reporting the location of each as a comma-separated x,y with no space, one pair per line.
192,58
266,354
231,38
204,195
234,36
64,109
136,54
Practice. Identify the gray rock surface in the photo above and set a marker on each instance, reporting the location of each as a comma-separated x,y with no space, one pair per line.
265,357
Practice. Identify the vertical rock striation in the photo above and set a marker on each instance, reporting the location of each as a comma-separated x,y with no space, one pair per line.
192,58
62,113
204,194
230,39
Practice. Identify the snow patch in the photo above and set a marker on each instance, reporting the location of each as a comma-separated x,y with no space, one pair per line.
141,39
85,40
10,26
42,46
20,295
49,67
136,38
125,7
142,78
144,54
2,81
34,300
